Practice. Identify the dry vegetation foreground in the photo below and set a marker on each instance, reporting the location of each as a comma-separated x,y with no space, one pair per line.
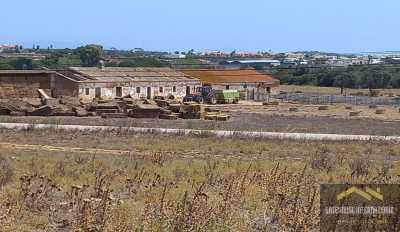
115,181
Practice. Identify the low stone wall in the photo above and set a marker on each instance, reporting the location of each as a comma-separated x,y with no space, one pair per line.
217,133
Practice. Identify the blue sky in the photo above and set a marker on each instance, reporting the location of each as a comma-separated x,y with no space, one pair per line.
169,25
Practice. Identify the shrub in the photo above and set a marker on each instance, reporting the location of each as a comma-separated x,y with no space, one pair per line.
6,171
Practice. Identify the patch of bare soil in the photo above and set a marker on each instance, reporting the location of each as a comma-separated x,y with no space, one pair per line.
240,121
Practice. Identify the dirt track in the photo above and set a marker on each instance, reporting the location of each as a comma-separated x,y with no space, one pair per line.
135,146
37,147
238,122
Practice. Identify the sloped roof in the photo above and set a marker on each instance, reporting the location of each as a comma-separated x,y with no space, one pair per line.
118,74
231,76
25,72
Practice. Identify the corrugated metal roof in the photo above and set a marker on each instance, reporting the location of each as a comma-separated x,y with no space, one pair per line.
117,74
231,76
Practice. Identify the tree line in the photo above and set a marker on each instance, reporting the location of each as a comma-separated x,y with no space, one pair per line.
86,56
365,76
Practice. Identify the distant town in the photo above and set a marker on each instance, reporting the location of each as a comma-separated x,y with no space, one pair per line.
214,57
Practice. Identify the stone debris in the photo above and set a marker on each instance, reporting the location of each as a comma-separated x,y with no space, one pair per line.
35,102
145,111
169,109
274,103
41,111
70,101
14,105
80,111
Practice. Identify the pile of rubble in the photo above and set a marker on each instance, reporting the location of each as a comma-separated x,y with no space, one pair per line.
64,106
117,108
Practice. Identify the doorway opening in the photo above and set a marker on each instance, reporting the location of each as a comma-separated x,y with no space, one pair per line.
119,92
97,93
148,92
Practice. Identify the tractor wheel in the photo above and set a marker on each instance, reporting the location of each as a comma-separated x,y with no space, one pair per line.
213,101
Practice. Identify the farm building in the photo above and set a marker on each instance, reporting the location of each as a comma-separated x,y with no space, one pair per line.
252,84
25,83
109,82
90,83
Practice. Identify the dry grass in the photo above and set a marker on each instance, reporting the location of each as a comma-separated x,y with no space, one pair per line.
334,90
174,183
339,111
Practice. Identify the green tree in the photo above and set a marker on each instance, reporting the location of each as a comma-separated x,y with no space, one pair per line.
344,80
52,60
6,65
90,55
22,64
326,78
141,62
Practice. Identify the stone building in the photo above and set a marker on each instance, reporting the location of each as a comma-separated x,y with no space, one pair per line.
102,83
25,83
88,83
252,84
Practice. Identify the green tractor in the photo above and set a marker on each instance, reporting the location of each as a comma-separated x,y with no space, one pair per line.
209,96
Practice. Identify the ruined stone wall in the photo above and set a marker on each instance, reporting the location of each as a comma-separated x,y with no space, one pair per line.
65,87
23,85
87,92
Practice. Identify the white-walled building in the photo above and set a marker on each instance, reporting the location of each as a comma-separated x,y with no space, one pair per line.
111,82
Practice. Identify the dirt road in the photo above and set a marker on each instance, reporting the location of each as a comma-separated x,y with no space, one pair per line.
38,147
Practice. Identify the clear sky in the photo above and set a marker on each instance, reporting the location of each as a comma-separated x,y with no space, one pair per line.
169,25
